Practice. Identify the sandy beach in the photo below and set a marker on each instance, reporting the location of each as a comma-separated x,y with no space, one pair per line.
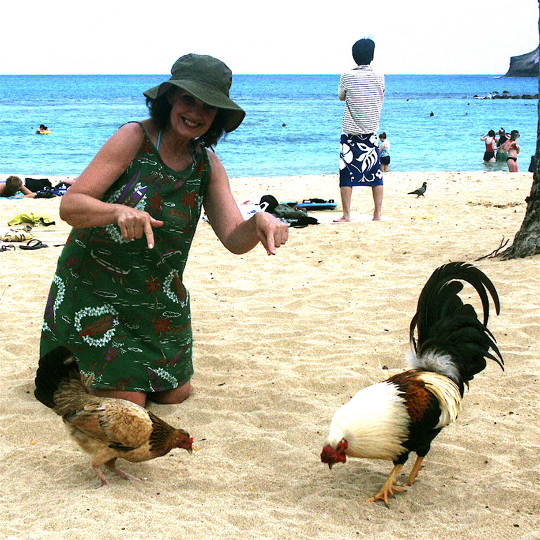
280,343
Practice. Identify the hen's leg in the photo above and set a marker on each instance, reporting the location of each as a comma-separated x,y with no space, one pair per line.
389,486
414,471
111,465
101,476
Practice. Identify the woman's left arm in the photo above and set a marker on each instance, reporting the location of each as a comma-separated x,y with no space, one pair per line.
236,234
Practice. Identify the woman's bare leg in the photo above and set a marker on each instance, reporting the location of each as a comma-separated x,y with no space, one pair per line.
135,397
176,395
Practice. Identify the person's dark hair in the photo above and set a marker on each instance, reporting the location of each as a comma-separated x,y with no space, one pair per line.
514,134
160,113
13,184
382,135
491,133
363,51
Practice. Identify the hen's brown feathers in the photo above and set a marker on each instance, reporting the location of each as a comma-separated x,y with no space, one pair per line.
106,428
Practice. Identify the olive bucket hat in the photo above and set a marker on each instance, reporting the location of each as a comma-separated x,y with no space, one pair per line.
209,80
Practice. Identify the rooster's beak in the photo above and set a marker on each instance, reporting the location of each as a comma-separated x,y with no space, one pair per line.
330,465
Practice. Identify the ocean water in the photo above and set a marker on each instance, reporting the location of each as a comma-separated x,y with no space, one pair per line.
292,125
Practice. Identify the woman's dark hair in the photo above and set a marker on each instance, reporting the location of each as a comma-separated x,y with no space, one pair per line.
491,133
13,184
363,51
382,135
160,113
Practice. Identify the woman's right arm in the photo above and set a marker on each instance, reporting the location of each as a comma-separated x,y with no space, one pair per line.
81,205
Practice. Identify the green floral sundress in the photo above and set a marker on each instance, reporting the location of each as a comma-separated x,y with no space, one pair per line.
120,307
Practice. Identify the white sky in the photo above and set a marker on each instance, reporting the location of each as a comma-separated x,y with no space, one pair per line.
253,36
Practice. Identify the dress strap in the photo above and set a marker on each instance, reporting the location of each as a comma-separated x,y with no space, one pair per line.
158,140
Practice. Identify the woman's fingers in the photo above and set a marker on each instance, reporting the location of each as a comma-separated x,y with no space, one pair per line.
271,232
136,223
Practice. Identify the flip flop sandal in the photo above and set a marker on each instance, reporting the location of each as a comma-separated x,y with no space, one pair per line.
34,244
7,247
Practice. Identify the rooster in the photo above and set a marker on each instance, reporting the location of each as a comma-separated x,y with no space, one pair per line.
105,428
406,412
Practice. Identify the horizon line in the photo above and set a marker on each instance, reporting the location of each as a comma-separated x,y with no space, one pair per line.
234,75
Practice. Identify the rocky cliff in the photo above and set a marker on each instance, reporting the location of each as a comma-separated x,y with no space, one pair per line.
525,65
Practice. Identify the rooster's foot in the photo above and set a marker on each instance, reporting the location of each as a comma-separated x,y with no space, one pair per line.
389,487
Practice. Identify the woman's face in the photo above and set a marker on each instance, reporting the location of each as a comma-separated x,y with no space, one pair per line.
190,116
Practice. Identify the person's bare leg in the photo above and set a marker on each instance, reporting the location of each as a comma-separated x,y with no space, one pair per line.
346,197
377,200
135,397
176,395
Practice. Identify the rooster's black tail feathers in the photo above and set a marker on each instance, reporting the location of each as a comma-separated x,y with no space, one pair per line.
450,330
53,367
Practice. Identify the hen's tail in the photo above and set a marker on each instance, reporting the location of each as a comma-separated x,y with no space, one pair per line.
54,367
450,339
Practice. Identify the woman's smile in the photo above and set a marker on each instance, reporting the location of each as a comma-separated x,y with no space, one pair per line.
189,112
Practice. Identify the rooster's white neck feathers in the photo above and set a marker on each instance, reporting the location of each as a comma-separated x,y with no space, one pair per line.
373,422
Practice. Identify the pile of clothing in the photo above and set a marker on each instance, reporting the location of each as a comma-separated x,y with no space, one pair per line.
286,213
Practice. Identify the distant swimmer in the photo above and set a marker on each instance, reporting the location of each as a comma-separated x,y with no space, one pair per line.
43,130
420,191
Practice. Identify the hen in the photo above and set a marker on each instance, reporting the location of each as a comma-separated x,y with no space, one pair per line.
105,428
406,412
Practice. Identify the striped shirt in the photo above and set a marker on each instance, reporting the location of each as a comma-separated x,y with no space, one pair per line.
363,92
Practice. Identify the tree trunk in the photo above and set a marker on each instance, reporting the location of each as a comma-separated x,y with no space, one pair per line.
527,239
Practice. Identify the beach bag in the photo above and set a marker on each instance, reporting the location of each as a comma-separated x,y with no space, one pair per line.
37,184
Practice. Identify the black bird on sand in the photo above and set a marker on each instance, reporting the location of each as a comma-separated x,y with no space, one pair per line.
420,191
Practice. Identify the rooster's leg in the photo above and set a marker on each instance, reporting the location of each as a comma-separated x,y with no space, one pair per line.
111,465
414,471
389,486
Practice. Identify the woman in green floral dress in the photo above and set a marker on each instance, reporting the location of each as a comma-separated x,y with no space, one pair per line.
117,300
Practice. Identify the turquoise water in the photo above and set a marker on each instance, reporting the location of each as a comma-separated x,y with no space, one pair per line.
292,125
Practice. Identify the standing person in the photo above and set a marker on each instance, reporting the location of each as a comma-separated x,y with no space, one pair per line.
512,149
363,92
118,301
384,151
491,144
501,138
